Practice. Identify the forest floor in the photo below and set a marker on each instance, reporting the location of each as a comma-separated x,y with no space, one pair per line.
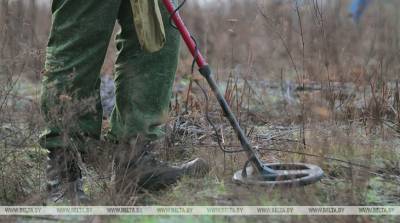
360,160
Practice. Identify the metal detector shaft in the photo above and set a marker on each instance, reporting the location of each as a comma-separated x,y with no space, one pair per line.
206,72
252,154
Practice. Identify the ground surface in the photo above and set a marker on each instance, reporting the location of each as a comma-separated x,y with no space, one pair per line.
361,164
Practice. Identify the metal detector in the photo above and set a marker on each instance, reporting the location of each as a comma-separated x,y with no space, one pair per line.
258,173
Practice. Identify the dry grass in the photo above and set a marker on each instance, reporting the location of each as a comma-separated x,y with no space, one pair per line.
302,81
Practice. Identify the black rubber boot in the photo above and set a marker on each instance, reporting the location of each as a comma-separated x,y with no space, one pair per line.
140,170
64,179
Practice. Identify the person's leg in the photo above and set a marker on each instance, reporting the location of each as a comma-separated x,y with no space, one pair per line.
75,53
143,91
143,80
70,87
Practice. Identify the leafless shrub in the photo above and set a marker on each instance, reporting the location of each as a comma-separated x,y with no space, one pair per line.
324,67
20,121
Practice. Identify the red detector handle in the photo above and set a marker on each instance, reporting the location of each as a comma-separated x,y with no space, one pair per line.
185,34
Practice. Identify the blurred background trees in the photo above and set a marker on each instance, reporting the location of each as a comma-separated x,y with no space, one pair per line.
276,35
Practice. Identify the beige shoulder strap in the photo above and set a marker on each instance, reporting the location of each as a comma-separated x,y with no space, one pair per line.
149,24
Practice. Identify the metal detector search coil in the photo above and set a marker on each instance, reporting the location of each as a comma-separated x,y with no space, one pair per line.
291,174
286,175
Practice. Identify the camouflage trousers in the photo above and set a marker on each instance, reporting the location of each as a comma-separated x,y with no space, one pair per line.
76,50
